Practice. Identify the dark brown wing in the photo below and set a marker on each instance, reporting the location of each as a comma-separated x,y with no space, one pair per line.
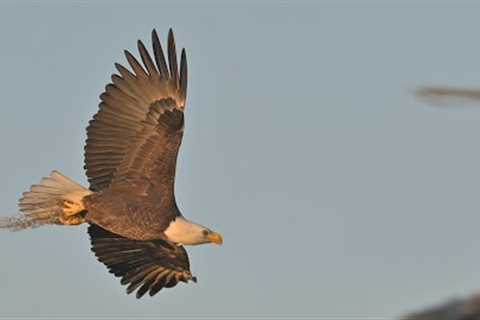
151,162
127,102
140,201
147,266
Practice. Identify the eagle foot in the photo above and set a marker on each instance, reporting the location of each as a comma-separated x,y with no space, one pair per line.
70,208
71,220
71,213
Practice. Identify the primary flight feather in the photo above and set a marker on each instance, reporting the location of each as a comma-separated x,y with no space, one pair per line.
135,226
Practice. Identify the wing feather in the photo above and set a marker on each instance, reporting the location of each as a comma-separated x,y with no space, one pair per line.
128,113
137,68
147,60
172,58
183,73
155,154
147,266
159,56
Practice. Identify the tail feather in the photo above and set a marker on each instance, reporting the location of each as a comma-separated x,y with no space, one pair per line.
43,203
20,223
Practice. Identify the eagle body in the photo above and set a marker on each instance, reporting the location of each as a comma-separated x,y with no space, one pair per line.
139,218
135,226
131,215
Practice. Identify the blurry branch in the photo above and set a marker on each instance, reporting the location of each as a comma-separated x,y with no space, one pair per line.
457,309
448,95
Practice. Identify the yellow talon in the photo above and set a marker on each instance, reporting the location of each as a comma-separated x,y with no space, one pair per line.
71,208
70,213
71,221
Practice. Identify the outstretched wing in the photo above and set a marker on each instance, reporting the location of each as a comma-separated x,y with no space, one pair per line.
147,266
150,164
130,111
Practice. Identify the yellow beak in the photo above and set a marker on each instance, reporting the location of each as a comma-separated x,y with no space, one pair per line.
215,237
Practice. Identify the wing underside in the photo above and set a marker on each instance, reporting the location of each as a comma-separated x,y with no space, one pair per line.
145,266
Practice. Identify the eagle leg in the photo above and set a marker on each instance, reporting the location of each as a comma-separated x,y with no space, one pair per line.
71,221
71,208
72,213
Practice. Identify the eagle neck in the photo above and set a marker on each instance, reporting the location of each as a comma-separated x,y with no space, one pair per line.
183,231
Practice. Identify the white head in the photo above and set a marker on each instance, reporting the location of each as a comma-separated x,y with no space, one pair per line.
186,232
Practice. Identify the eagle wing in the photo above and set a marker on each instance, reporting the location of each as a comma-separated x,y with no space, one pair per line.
149,167
147,266
140,121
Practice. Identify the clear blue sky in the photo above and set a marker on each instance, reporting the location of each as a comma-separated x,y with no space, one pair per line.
338,194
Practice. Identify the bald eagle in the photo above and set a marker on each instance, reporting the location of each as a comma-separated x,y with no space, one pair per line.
135,226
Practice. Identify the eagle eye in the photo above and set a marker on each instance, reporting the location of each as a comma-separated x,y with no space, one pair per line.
205,232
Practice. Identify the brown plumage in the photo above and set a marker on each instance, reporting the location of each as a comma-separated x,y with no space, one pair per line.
145,265
130,111
130,156
136,228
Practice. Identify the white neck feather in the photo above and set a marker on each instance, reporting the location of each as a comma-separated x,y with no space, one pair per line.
185,232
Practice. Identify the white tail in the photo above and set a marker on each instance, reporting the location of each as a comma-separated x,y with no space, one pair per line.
43,204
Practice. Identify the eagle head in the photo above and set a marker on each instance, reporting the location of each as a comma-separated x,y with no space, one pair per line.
183,231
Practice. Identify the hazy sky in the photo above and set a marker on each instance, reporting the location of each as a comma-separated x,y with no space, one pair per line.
338,194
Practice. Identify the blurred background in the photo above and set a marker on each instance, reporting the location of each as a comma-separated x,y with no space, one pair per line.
338,192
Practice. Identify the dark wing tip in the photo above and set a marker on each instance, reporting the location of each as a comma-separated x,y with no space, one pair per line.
141,48
155,36
136,66
171,38
183,74
128,55
147,60
159,56
172,57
